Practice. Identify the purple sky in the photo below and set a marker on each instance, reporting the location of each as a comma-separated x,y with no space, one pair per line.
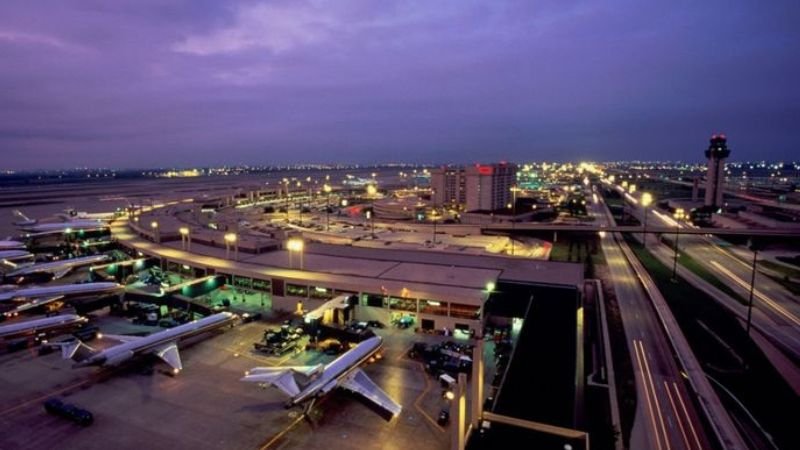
147,83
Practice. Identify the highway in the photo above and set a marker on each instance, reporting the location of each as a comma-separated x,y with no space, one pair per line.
666,418
652,228
776,310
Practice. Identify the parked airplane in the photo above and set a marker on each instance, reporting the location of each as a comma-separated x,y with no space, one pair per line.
32,297
163,344
34,226
16,256
55,268
308,383
43,325
11,245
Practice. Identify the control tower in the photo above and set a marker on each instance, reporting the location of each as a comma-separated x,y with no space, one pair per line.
715,178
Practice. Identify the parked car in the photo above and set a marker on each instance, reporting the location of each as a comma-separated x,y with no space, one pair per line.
68,411
248,317
444,417
375,324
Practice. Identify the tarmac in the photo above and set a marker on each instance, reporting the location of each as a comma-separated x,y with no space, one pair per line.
206,406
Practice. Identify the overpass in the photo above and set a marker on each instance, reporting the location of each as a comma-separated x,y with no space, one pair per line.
505,227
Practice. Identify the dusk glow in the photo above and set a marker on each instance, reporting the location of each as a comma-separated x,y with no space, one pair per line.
153,83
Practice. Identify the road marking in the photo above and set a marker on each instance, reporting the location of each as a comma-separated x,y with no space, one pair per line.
647,395
283,432
685,412
424,392
780,309
677,416
655,396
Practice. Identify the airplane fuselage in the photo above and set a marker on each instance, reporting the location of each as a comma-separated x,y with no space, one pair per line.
125,350
338,369
29,327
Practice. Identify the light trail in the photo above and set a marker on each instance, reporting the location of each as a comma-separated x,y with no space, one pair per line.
778,308
677,416
686,413
647,395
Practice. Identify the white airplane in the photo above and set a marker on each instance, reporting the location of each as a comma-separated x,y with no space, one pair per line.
15,256
35,326
308,383
11,245
32,297
163,344
33,225
56,268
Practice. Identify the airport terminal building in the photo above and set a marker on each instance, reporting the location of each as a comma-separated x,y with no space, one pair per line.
435,290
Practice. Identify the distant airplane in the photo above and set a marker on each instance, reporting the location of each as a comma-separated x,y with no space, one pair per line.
55,268
35,326
11,245
308,383
33,226
15,256
163,344
31,297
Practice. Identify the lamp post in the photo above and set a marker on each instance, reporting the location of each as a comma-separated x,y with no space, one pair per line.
679,215
156,234
230,239
372,191
513,215
753,247
434,219
286,188
647,199
295,245
327,188
186,238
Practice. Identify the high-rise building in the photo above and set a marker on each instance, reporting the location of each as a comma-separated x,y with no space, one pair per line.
449,186
488,186
715,178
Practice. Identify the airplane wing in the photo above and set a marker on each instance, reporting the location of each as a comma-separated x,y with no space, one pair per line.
169,353
61,272
37,302
360,383
279,377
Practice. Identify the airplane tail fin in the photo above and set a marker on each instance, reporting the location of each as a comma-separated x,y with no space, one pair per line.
75,350
282,378
24,219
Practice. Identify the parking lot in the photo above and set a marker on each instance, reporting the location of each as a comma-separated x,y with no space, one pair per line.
207,407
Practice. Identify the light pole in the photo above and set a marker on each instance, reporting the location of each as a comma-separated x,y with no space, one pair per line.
679,215
327,188
230,239
647,199
434,218
372,191
513,215
295,245
186,239
156,234
286,187
752,284
300,206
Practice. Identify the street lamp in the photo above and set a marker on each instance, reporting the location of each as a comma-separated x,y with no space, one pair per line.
679,215
156,234
327,188
647,199
295,245
514,190
230,239
434,218
371,191
186,242
752,247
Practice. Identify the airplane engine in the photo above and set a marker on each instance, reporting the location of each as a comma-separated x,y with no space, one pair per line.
119,358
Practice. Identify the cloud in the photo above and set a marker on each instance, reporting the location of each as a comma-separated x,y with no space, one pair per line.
273,27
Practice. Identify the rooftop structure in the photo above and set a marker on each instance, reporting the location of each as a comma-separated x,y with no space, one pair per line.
716,153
